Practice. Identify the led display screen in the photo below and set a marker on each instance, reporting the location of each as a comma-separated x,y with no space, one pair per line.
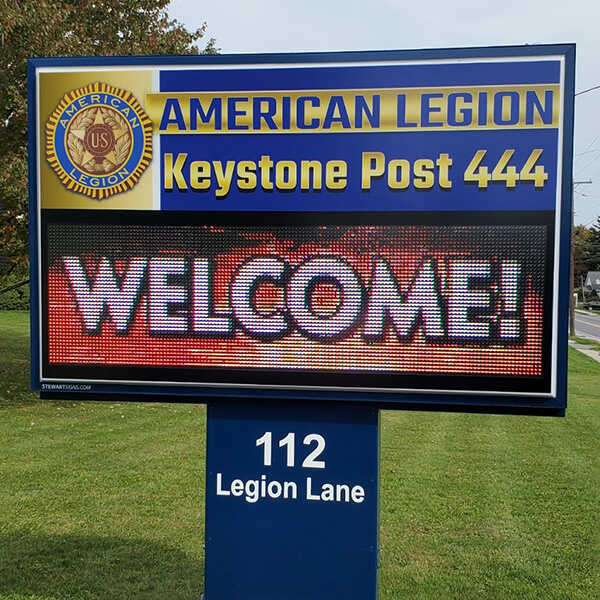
299,300
344,230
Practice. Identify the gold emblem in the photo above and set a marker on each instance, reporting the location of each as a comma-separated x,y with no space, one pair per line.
98,140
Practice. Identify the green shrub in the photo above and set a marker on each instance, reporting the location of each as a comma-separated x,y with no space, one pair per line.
14,299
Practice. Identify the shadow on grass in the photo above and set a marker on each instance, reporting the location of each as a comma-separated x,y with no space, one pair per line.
65,567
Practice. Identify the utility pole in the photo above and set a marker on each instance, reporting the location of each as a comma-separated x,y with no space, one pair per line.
572,276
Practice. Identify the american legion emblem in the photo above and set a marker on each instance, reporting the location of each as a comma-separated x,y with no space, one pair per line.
99,140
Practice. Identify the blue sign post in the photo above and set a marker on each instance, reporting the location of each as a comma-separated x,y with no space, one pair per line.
291,502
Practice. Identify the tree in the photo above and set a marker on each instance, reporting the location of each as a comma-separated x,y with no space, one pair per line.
31,28
591,247
581,259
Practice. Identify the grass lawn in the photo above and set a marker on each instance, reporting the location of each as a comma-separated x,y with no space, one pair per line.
105,501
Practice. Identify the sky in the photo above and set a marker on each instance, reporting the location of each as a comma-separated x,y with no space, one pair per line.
263,26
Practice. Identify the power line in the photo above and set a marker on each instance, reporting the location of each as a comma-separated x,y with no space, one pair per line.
587,195
583,210
586,152
596,87
589,164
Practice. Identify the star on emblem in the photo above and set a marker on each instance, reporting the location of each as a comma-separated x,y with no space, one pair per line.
99,140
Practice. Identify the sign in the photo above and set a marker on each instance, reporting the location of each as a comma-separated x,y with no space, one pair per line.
390,227
292,501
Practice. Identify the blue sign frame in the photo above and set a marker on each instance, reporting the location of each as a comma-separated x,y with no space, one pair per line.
307,163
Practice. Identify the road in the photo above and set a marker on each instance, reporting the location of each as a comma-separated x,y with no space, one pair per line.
587,324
